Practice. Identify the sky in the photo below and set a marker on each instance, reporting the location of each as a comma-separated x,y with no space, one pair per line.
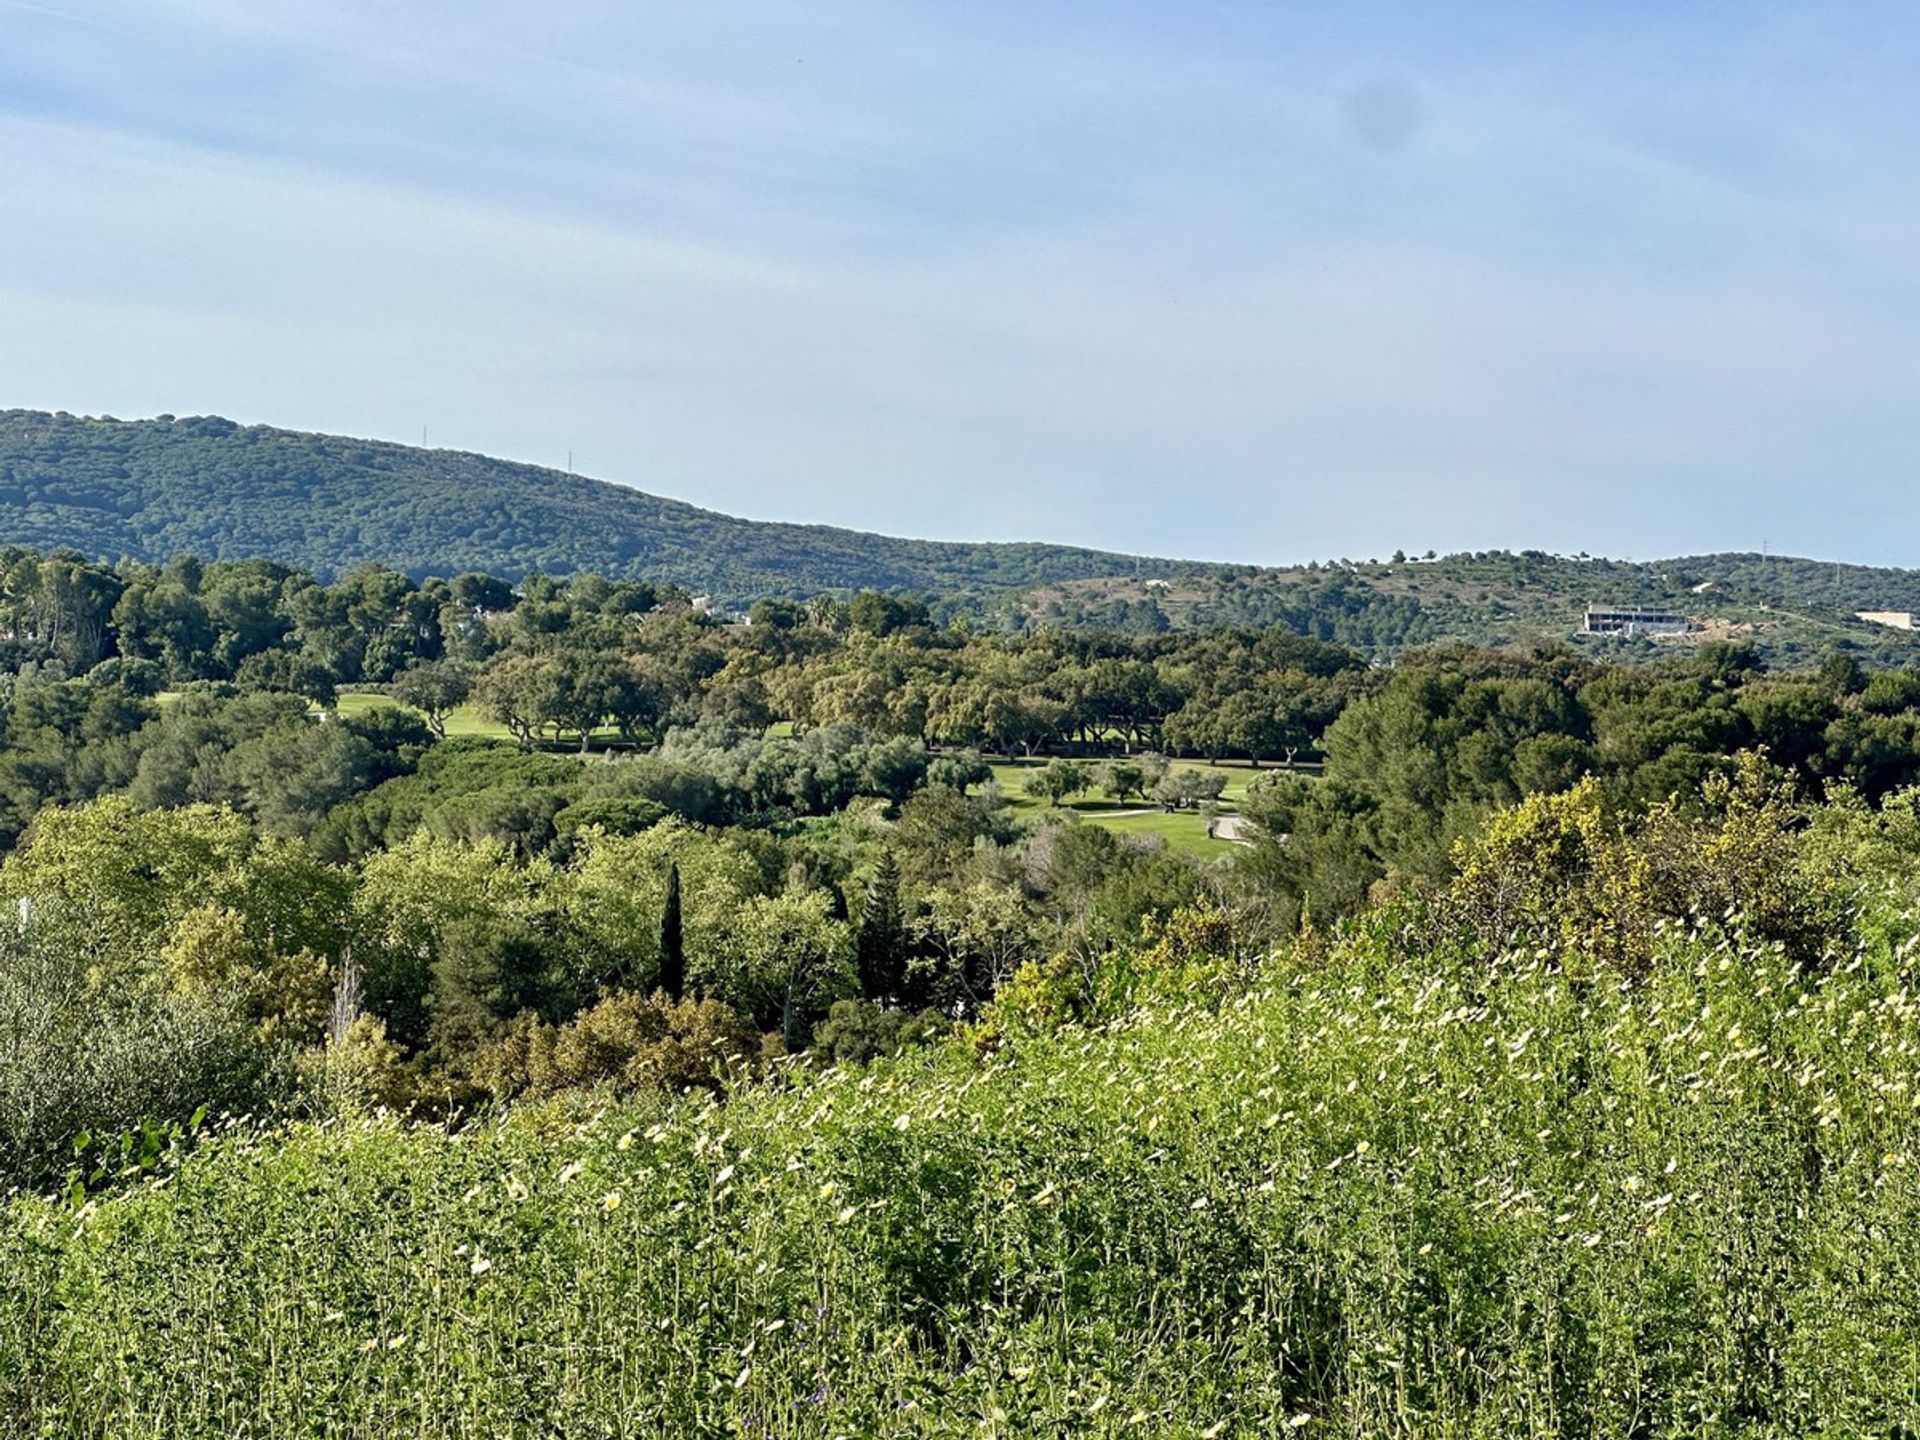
1261,282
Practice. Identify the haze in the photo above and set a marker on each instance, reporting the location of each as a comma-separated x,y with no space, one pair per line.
1231,281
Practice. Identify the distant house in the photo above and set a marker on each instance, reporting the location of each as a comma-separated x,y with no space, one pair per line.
1893,619
1633,620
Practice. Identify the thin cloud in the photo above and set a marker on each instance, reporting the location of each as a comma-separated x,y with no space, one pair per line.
933,293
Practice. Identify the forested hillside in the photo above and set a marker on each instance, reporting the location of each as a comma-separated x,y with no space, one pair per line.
154,489
1791,610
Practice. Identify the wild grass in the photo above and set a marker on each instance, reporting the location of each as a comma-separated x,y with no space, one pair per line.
1389,1195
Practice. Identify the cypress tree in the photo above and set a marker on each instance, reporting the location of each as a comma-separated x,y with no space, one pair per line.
673,955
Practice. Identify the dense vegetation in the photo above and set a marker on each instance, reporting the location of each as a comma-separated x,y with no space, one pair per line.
153,489
1564,1146
1790,610
455,1008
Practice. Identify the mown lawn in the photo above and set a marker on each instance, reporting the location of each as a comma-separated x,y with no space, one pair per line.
1183,830
1012,773
466,720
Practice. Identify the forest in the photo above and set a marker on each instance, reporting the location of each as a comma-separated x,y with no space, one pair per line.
149,491
203,485
424,979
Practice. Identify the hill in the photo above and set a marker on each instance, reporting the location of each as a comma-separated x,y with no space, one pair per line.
154,489
1792,610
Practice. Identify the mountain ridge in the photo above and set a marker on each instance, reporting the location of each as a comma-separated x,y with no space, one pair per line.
150,489
154,489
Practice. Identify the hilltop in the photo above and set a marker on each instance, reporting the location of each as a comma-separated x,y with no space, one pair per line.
151,490
154,489
1790,609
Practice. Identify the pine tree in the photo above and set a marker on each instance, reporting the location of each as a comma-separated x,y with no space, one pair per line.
673,955
881,943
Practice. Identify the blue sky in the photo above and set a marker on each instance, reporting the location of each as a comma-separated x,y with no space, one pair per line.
1243,281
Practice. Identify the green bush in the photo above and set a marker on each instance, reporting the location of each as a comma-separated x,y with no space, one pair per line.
1392,1194
83,1061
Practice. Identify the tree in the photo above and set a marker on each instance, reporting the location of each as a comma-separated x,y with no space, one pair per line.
488,968
435,688
293,671
776,614
1057,781
290,778
856,1031
617,890
880,941
879,614
1121,778
80,1054
938,829
626,1039
782,960
972,938
581,690
480,594
959,769
673,954
513,691
1186,788
1026,718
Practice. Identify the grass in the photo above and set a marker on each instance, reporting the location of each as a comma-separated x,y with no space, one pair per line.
465,720
1386,1195
1183,830
1012,774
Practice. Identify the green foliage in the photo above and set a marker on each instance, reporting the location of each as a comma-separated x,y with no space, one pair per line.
87,1056
858,1031
1121,779
627,1040
783,959
133,885
1795,613
672,970
959,770
1058,781
474,790
434,688
1184,788
881,943
1392,1195
202,485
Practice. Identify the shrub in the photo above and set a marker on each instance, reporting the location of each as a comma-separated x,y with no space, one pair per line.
627,1040
82,1053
